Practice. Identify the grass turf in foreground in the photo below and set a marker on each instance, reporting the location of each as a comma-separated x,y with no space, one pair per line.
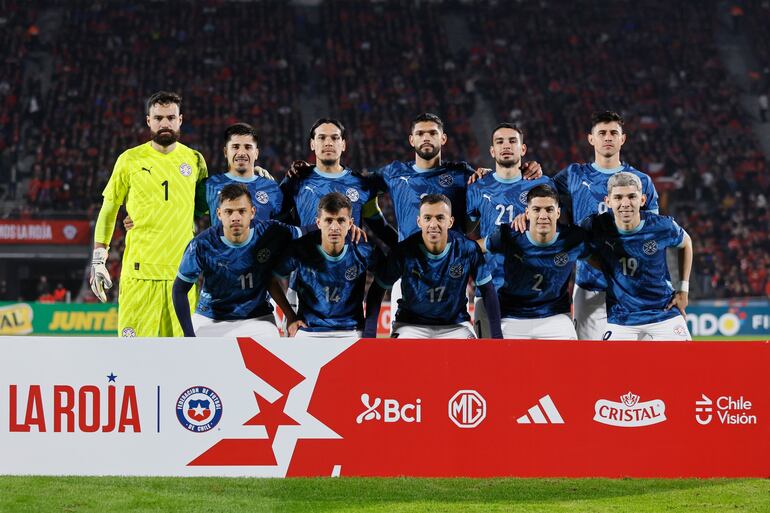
192,495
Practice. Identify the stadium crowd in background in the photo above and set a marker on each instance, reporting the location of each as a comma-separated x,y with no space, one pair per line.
71,93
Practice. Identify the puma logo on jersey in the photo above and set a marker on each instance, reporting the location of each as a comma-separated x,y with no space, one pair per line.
586,184
404,178
610,244
487,197
145,169
311,189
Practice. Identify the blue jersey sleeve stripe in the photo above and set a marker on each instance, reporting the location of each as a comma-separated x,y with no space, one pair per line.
381,284
185,278
484,280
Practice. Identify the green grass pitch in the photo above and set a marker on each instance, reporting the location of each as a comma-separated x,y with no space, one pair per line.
235,495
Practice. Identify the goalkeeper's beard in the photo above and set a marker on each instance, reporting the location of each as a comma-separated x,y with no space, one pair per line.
165,137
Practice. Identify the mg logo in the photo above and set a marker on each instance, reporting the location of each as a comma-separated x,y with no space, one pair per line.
467,409
392,410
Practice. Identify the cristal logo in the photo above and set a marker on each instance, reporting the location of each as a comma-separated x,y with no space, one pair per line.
630,412
392,410
730,411
467,409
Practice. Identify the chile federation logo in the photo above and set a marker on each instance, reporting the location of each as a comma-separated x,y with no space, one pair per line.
199,409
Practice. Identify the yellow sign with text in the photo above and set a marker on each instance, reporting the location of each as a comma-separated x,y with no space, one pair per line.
16,319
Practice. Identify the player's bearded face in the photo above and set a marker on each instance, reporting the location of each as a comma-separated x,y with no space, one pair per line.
507,147
165,122
426,139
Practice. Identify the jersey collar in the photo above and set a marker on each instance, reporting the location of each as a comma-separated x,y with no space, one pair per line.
632,230
433,256
236,178
240,244
330,258
542,244
606,171
506,180
418,170
345,171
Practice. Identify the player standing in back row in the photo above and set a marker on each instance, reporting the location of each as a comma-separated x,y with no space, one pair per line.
158,180
583,188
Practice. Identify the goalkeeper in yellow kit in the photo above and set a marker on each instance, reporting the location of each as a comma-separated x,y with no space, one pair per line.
160,183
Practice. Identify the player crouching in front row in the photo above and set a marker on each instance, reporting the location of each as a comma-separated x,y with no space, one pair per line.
630,247
330,275
537,265
434,267
235,261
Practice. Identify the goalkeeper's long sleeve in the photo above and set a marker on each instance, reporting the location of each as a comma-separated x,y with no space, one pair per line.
105,223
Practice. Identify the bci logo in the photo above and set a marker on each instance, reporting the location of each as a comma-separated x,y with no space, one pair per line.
391,411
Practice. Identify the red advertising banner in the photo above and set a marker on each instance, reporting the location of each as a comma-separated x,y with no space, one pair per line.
39,231
510,408
291,407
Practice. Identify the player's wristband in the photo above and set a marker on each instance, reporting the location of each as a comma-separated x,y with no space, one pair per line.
684,286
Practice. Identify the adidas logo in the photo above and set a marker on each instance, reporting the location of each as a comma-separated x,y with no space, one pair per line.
544,412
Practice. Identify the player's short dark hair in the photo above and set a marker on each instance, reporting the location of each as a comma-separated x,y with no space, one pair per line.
322,121
240,129
512,127
542,191
164,98
233,191
427,117
432,199
605,116
334,202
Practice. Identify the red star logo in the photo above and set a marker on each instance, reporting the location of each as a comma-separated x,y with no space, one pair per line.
271,415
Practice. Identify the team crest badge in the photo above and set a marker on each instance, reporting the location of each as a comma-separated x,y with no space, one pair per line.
352,194
351,273
445,180
456,270
199,409
128,332
561,259
523,197
263,255
185,169
262,197
650,247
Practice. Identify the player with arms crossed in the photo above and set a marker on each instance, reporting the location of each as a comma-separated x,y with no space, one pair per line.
537,265
158,181
583,188
330,275
235,260
434,267
630,246
496,199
